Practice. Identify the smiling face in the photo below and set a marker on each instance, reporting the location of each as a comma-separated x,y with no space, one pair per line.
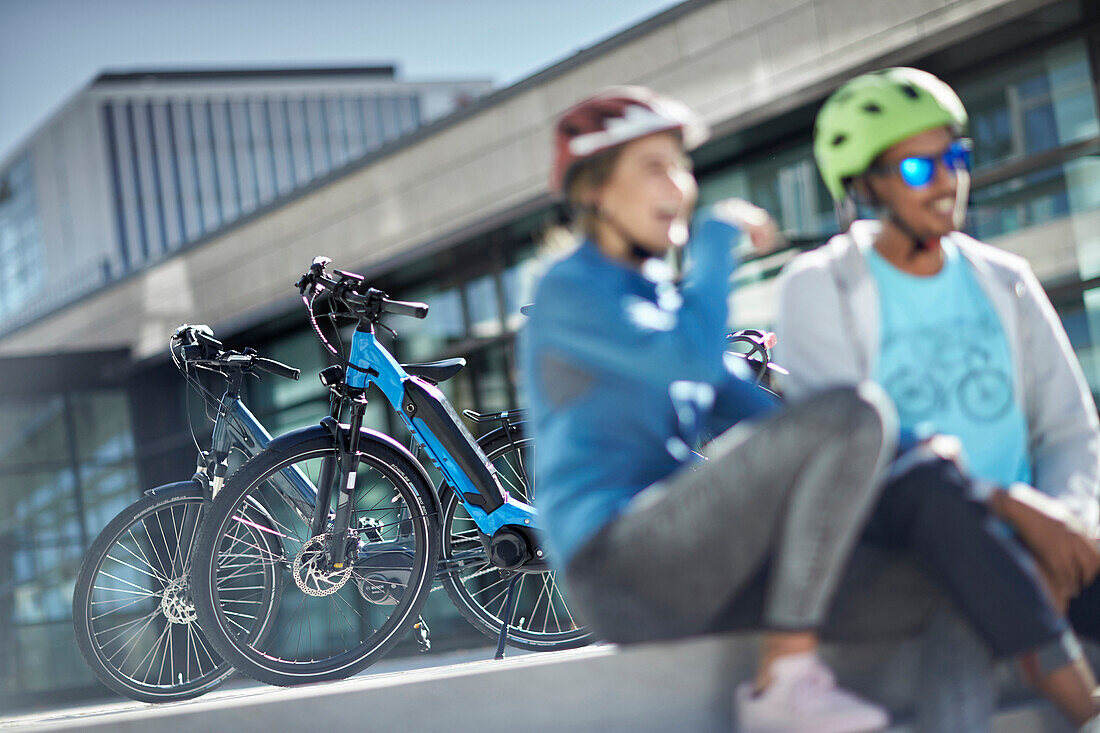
926,210
648,197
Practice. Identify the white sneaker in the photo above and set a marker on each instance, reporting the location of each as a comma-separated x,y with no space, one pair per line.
803,697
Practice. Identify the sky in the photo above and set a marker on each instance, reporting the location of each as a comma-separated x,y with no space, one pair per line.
50,49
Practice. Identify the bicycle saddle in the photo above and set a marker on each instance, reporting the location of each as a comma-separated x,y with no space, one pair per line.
436,371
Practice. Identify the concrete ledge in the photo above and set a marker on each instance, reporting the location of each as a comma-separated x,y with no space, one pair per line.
674,686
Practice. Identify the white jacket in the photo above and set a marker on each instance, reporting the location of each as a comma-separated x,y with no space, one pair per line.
828,330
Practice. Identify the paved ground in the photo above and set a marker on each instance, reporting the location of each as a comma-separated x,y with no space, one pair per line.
602,689
240,690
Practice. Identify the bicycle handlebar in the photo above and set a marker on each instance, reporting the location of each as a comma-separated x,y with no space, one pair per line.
275,367
196,345
351,290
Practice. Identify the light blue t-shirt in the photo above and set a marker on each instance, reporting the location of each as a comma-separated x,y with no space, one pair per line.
944,360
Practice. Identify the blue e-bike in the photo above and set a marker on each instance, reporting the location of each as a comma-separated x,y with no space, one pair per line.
360,552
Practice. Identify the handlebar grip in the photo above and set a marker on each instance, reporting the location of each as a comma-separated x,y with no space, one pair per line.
402,308
277,368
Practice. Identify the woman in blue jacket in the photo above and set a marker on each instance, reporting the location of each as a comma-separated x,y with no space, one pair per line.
626,370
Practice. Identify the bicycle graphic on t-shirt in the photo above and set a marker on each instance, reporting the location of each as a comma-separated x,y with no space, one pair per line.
959,370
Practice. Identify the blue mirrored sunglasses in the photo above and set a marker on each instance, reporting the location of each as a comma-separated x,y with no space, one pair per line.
919,171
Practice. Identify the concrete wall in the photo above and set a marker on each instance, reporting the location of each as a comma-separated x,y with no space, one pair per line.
736,61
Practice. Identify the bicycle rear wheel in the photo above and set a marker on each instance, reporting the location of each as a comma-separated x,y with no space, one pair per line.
541,619
331,623
134,618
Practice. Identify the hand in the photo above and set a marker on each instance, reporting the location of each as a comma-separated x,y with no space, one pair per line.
1066,553
751,219
1059,595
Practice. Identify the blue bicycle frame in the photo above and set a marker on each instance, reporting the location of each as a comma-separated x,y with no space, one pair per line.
439,431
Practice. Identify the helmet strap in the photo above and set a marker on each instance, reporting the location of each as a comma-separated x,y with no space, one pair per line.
962,196
918,243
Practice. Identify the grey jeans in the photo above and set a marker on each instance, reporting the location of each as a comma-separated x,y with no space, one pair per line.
775,510
717,549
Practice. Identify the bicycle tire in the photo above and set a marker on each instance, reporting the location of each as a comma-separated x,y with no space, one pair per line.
478,601
118,552
271,659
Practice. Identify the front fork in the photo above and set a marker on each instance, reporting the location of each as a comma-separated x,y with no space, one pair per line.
347,459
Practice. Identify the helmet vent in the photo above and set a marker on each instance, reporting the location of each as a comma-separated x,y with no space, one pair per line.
839,140
872,108
910,91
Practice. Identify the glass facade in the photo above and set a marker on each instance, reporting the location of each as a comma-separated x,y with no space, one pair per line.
66,468
181,168
20,239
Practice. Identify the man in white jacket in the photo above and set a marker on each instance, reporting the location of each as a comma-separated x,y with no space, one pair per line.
963,339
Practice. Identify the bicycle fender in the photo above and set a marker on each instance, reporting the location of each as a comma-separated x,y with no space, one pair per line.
280,444
174,486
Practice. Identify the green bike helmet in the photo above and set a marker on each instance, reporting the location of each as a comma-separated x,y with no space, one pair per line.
874,111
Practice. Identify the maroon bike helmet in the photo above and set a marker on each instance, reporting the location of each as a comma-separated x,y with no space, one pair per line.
615,116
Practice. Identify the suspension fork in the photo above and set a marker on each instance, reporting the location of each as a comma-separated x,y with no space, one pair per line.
328,465
349,467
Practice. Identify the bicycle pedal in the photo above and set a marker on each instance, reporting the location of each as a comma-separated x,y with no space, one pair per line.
422,635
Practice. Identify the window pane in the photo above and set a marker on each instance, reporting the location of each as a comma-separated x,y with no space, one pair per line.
275,117
179,119
301,350
481,296
229,177
102,424
203,145
1043,102
431,337
106,491
785,183
45,658
40,507
21,274
519,286
1082,324
32,430
492,382
1035,198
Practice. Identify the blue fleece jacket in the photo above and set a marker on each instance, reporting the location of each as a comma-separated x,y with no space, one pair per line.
624,372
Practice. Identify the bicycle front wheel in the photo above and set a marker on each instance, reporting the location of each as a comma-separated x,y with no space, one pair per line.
331,623
134,618
541,619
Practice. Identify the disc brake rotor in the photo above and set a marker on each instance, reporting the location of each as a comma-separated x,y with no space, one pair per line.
310,574
176,603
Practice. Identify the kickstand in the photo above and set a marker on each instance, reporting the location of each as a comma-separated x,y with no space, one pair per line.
509,603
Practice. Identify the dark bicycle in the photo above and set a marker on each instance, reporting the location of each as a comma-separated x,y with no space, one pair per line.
133,613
